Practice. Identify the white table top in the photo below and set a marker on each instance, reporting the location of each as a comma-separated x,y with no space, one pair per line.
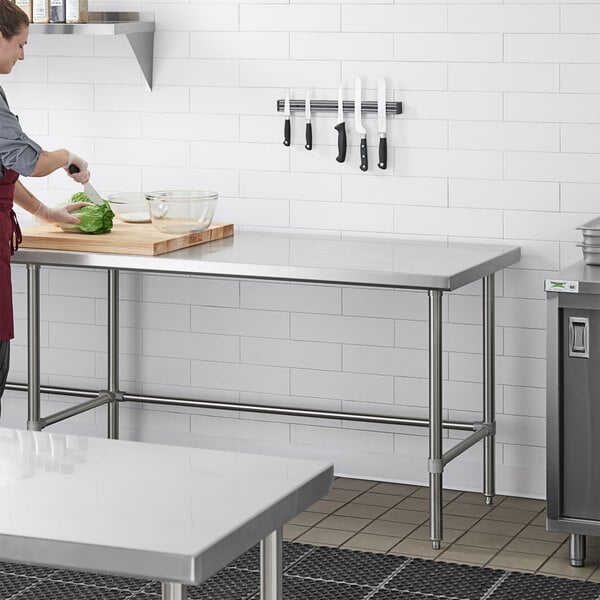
373,261
143,510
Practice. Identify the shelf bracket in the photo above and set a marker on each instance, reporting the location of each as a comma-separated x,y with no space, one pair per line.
142,45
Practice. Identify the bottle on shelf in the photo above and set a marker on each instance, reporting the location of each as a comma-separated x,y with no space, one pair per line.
27,6
41,11
76,11
57,11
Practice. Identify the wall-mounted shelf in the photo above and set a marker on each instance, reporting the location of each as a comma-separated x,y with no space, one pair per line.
138,27
368,106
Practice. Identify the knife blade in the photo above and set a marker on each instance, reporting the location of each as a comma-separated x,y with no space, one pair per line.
381,124
287,130
88,189
308,144
360,130
341,127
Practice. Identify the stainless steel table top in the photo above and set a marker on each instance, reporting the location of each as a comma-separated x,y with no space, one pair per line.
310,258
143,510
587,276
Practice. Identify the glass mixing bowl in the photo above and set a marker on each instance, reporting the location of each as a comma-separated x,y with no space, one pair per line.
130,207
182,211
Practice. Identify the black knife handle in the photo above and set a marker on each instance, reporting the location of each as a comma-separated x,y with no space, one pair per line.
364,159
287,133
382,164
308,144
341,129
73,169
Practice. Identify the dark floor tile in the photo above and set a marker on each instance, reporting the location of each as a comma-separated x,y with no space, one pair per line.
296,588
291,553
98,579
347,566
11,584
444,579
58,590
540,587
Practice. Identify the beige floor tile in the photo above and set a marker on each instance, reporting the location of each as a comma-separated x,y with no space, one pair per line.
449,535
387,500
340,495
463,509
397,489
595,576
374,543
562,568
477,498
510,515
497,527
307,519
447,495
390,528
325,506
540,520
484,540
537,532
458,522
360,485
291,532
592,542
467,554
344,523
325,537
405,516
540,547
518,561
412,503
367,511
416,548
592,555
524,504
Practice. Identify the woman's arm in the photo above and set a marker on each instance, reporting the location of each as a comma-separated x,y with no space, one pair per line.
25,199
60,214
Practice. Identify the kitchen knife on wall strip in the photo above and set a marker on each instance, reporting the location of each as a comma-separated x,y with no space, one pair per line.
287,130
341,127
308,144
381,124
360,130
88,189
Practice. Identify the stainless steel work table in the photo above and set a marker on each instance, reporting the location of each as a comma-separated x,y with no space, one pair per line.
150,511
373,262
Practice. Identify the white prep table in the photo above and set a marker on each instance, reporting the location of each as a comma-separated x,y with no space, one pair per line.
151,511
432,267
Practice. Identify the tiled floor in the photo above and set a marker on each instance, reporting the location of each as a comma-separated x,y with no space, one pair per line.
393,518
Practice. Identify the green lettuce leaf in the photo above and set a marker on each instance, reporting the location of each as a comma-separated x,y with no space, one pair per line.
94,218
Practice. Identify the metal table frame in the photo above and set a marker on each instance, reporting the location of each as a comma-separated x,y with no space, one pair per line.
480,430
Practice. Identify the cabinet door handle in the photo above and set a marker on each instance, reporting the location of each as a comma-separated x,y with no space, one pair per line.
579,337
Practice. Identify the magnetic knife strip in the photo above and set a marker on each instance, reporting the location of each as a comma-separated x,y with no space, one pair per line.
369,106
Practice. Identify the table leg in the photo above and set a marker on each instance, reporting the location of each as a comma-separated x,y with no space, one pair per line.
113,353
271,566
33,348
173,591
489,383
435,418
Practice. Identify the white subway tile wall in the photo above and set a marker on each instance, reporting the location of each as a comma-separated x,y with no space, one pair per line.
499,141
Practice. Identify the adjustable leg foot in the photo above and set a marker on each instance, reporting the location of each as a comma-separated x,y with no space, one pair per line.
577,550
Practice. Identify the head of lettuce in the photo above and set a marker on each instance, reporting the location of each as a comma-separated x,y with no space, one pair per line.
94,218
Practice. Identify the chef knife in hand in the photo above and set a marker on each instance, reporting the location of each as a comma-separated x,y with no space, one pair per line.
381,124
341,128
88,189
360,130
287,133
308,144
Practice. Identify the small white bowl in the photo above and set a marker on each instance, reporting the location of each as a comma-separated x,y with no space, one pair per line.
130,207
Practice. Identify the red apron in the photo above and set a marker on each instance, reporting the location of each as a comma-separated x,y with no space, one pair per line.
10,237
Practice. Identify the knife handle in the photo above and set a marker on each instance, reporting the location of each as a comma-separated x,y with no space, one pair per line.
382,164
287,133
364,159
73,169
341,129
308,144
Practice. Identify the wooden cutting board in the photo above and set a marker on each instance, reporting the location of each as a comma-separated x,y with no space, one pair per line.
125,238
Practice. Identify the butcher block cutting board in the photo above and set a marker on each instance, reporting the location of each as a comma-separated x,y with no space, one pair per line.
125,238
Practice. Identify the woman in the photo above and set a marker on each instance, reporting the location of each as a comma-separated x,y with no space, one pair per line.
19,155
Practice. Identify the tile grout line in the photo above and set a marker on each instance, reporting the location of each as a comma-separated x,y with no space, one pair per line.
495,586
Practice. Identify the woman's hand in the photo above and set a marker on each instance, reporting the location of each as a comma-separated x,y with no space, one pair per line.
60,214
82,175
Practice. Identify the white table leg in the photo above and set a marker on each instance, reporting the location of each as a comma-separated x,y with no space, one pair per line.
271,566
173,591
